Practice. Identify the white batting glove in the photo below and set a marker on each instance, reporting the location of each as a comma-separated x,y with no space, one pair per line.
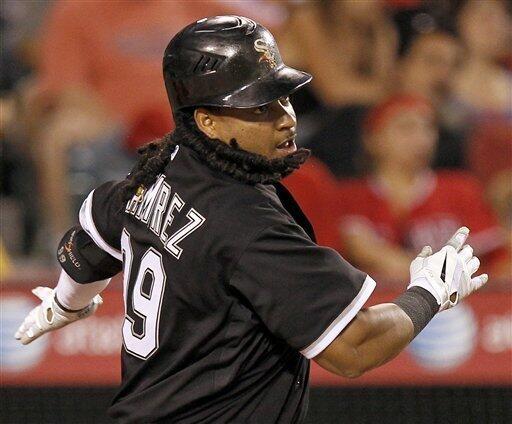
447,274
49,316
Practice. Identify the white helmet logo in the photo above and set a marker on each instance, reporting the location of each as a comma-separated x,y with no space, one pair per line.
267,55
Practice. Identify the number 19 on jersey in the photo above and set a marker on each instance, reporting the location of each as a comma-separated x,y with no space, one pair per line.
141,338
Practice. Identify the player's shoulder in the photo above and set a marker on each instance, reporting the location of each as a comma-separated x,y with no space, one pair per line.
100,215
235,205
104,204
248,200
112,186
252,208
110,192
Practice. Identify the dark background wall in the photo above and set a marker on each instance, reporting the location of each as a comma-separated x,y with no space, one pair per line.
327,405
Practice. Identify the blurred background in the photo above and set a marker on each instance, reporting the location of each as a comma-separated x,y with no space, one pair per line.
409,118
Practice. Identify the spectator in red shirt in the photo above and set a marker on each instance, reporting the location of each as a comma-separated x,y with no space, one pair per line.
403,204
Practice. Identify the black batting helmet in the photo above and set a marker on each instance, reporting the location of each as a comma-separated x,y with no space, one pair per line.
227,61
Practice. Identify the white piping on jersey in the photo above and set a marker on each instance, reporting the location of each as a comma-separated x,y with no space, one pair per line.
341,321
87,223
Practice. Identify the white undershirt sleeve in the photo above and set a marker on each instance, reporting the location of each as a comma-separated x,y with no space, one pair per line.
75,296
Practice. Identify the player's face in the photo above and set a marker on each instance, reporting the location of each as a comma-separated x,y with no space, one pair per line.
268,130
406,140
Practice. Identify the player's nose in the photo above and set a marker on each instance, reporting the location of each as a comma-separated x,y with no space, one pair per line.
287,119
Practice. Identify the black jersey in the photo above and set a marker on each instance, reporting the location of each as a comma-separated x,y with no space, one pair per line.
227,297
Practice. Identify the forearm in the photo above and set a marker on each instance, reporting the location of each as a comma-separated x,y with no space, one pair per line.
391,331
379,333
75,296
375,336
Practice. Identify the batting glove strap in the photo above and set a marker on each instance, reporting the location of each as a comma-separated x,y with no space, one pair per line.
440,275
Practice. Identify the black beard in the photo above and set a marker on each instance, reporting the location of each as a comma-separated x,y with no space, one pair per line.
229,159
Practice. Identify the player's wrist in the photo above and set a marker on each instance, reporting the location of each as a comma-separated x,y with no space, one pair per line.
63,309
420,306
76,314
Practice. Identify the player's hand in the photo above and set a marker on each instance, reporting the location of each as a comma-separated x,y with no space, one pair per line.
49,316
447,274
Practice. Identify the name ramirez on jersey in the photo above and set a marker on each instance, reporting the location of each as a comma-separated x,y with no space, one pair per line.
150,207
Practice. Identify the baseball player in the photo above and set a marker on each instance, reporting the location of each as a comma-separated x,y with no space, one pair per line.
227,294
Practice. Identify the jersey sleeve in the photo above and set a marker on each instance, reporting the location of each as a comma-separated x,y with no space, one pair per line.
101,216
304,294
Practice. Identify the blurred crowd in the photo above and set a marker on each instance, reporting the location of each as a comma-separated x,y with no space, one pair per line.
408,116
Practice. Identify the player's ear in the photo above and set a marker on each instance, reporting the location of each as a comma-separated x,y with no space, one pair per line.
205,121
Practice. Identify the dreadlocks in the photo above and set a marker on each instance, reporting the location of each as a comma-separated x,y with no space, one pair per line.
154,158
250,168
